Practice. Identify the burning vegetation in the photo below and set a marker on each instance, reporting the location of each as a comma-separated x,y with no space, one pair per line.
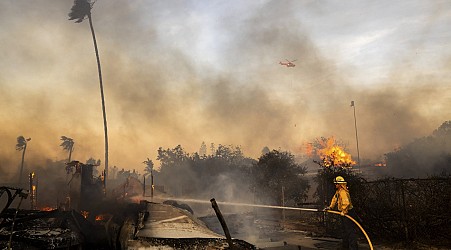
331,154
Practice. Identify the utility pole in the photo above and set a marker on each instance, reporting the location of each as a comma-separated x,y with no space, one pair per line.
356,135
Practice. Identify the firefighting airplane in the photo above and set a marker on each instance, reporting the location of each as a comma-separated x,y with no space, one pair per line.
289,63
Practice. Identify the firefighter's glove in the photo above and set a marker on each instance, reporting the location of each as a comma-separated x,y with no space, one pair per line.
342,214
326,208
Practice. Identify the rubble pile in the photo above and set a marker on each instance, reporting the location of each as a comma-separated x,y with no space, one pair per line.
164,225
42,229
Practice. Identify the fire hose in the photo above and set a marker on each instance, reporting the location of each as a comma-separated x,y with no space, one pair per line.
358,224
305,209
329,211
333,212
215,206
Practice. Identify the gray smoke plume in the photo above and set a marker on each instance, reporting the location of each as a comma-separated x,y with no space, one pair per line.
181,72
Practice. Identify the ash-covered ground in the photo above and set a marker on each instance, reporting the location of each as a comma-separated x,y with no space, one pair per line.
299,230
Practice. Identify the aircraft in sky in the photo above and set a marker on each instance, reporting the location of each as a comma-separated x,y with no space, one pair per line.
289,63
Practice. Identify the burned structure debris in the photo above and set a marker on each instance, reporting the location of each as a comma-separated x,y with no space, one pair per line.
88,219
164,225
34,229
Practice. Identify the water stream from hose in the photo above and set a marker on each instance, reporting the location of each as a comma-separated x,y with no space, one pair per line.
276,207
246,204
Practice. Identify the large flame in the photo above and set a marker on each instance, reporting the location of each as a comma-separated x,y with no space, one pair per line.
330,153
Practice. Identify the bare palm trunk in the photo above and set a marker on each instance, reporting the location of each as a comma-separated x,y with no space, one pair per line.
70,153
21,165
105,127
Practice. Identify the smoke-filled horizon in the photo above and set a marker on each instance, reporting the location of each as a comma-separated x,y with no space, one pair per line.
183,72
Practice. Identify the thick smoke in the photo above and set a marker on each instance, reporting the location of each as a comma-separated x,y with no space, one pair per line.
181,73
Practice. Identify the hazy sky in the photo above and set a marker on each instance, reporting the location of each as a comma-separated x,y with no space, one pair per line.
183,72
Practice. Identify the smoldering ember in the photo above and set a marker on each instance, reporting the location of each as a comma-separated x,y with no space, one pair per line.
225,125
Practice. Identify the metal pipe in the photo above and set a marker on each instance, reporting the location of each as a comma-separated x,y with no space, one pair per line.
222,221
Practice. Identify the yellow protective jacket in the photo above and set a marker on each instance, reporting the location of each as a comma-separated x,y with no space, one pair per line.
343,199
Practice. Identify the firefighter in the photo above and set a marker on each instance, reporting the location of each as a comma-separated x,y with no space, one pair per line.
343,200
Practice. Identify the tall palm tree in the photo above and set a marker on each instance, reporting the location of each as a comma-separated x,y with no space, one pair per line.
68,145
22,146
79,11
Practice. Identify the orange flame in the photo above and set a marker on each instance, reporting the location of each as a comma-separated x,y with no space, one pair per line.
331,154
102,217
47,209
380,164
309,149
84,213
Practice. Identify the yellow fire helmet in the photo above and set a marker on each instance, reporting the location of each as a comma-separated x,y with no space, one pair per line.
339,180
